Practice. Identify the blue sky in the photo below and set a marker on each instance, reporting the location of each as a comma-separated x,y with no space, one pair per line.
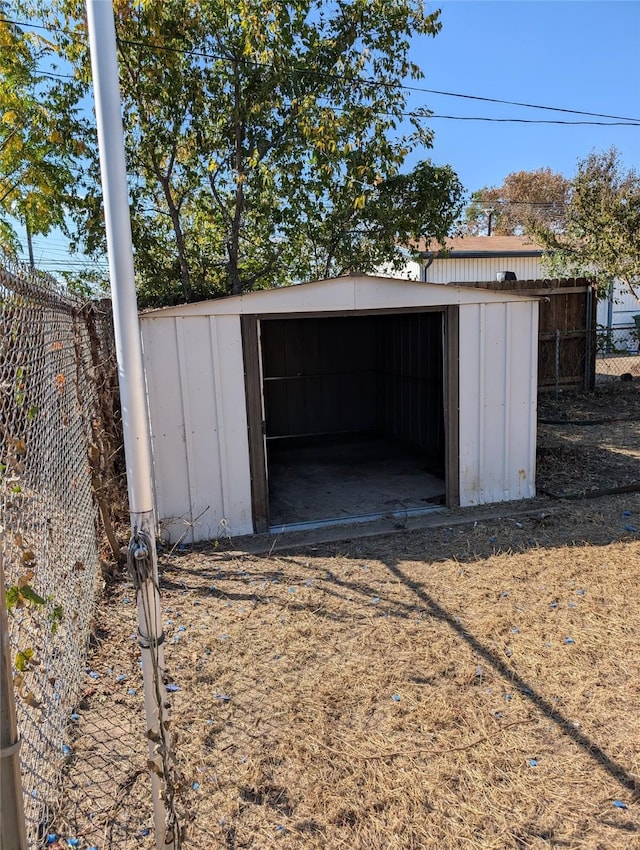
575,54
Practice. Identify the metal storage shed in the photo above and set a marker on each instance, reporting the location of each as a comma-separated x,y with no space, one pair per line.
338,400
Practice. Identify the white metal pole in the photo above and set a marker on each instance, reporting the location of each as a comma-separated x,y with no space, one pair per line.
13,835
142,549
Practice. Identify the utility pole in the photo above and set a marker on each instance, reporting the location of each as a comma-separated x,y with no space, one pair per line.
12,826
30,245
142,557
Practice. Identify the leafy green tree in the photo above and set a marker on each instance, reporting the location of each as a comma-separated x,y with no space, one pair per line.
263,139
601,233
524,200
34,168
423,203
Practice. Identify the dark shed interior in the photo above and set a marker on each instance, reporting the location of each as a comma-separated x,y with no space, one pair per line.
354,415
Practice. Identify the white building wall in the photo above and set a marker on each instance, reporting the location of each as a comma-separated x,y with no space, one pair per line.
412,270
498,396
482,269
195,386
618,312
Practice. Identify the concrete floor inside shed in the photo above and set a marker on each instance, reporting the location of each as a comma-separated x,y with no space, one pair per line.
347,480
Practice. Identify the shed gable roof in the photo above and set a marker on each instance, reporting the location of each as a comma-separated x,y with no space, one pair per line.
339,295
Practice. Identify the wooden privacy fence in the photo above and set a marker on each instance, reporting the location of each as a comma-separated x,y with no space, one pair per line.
567,328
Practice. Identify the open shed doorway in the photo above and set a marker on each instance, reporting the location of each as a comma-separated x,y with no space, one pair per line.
354,417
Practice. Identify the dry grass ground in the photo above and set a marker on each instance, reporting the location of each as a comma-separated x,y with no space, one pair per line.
474,683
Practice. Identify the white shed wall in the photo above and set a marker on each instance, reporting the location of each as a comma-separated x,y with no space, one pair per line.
482,268
195,386
498,397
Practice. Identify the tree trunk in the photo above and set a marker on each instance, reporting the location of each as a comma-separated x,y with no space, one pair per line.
233,243
174,214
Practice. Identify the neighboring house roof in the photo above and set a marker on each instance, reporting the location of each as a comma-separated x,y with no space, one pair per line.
472,247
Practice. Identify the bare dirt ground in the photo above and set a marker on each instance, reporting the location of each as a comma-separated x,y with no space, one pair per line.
472,683
589,442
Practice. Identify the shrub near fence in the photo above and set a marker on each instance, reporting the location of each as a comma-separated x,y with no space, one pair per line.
56,373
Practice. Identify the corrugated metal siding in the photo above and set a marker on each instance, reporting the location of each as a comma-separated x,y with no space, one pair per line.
498,392
313,370
479,269
195,380
410,376
195,384
624,307
378,374
162,373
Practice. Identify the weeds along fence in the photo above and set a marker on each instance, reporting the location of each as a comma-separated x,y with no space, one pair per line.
58,435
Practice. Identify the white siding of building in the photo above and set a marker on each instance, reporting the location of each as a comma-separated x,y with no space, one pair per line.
412,270
618,312
473,270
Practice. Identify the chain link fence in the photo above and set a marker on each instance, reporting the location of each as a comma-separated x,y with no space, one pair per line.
617,353
58,441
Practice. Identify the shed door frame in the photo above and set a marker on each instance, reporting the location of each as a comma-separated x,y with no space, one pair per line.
249,325
451,398
255,423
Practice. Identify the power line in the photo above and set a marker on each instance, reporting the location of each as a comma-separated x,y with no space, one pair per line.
558,121
557,204
52,75
536,121
376,83
627,122
65,256
70,265
429,115
615,120
519,103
